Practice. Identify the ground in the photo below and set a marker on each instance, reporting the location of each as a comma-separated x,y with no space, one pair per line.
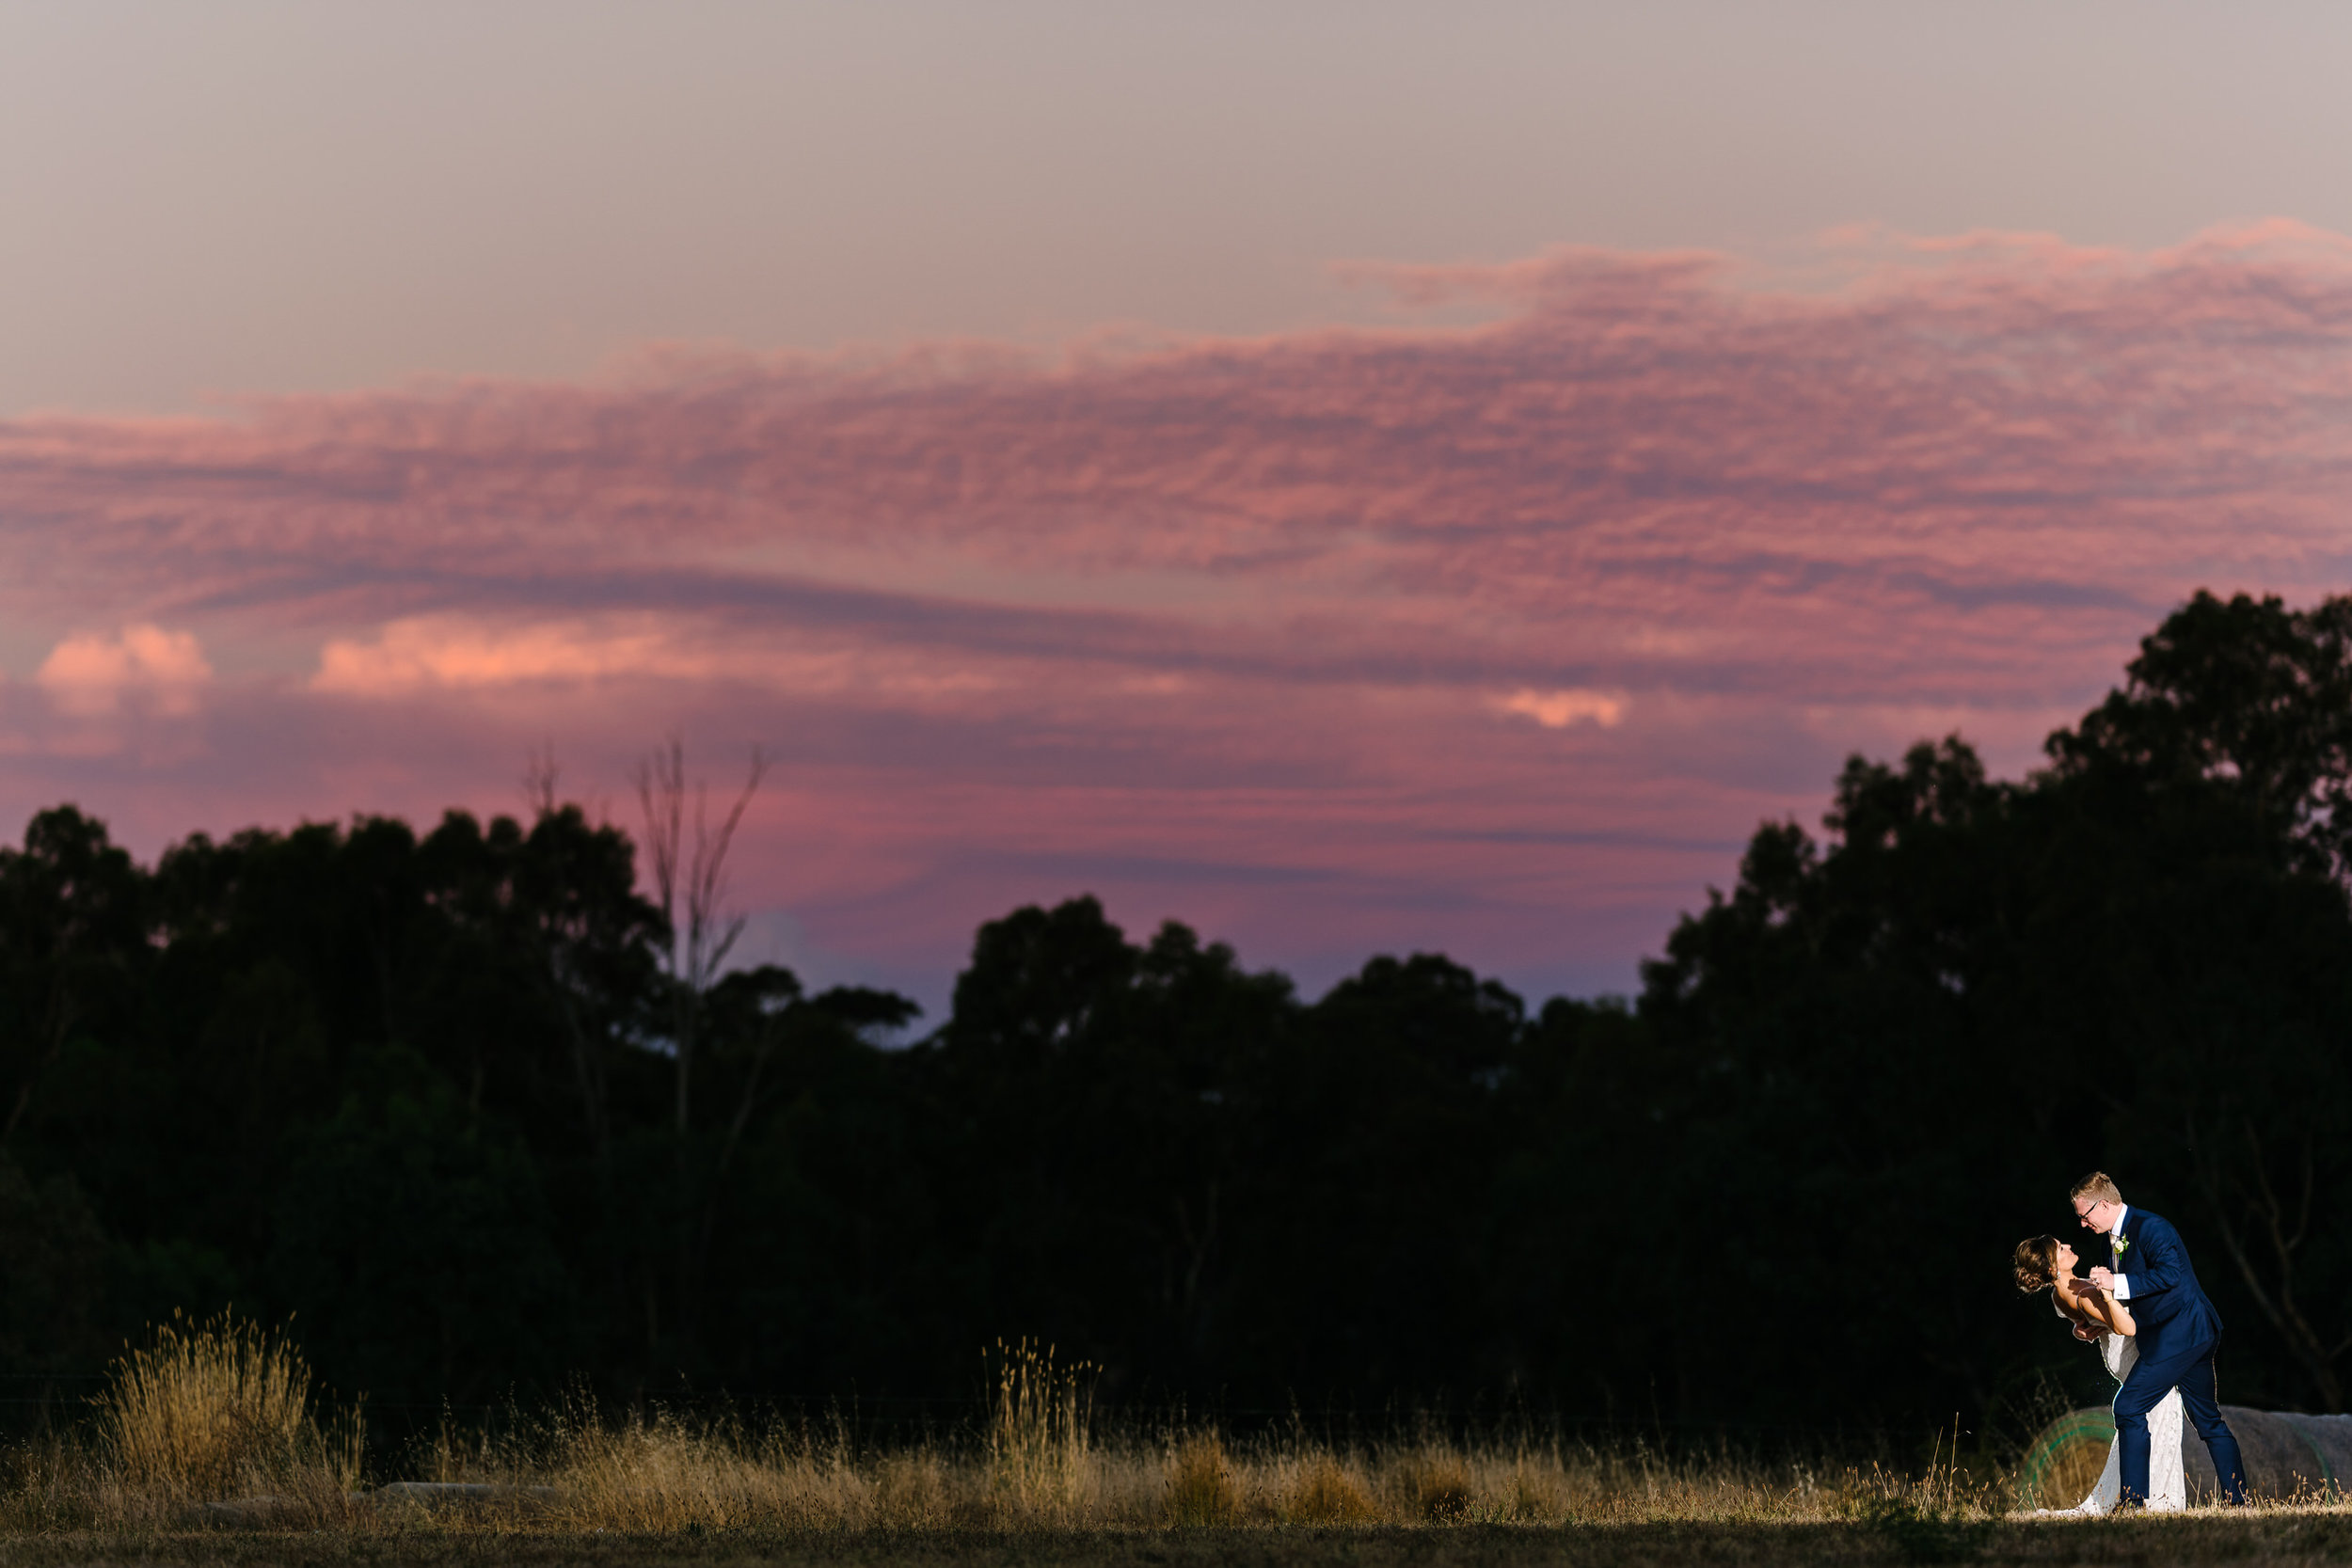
2273,1537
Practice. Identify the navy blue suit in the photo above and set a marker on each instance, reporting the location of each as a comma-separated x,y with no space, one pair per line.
2179,1332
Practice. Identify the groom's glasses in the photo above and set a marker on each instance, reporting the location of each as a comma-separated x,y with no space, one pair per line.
2083,1214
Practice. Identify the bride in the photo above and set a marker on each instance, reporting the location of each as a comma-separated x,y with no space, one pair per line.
2046,1264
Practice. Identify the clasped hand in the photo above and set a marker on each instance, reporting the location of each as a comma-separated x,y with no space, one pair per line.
2104,1278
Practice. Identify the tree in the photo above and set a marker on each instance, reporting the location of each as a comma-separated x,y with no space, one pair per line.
1100,1112
2230,747
54,1282
689,887
413,1241
2246,695
72,928
484,1109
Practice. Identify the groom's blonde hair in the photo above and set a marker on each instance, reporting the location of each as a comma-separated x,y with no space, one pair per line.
2097,1184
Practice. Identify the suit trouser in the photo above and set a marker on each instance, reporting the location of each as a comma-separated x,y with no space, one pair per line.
2189,1370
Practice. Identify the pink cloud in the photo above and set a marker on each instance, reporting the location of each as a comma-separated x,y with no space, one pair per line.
1557,710
439,653
1492,637
94,673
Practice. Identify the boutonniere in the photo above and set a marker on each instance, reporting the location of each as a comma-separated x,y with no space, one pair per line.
2123,1246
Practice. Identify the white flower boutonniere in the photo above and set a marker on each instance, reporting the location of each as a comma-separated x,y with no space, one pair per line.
2123,1246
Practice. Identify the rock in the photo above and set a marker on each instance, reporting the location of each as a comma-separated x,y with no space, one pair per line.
2286,1453
455,1493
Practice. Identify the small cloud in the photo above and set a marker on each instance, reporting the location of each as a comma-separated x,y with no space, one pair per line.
433,651
1557,710
92,674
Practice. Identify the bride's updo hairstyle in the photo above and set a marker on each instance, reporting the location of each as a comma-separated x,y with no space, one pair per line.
2036,1262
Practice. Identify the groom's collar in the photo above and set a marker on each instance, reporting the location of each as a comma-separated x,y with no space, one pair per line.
2122,1218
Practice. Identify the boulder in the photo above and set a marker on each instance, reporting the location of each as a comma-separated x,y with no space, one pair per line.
2287,1454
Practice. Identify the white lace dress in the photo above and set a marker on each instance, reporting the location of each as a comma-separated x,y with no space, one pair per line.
2167,1481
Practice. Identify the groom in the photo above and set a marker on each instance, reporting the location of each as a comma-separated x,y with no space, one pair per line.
2179,1330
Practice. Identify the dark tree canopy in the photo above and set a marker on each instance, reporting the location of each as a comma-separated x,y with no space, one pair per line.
418,1089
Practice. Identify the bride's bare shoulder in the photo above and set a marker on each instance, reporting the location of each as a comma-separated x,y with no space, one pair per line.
2066,1300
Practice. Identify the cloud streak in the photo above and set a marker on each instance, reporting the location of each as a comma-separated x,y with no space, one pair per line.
1476,638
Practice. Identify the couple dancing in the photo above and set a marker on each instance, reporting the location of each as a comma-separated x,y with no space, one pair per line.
2156,1331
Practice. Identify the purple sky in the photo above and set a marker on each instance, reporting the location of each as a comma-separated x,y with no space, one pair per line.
1075,449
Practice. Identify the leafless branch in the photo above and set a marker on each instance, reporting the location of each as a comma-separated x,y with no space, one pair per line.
540,778
704,932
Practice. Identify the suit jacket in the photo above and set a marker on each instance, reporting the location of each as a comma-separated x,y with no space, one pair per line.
2168,1304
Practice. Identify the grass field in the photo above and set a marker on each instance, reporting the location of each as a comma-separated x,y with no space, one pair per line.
207,1449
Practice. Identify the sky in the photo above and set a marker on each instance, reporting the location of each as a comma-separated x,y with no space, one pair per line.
1351,477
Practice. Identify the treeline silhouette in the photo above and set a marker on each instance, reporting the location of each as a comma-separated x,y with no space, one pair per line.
425,1091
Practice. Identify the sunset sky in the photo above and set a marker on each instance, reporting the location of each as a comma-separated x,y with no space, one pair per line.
1353,477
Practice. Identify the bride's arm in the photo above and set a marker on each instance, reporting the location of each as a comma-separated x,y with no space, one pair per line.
2096,1308
2083,1324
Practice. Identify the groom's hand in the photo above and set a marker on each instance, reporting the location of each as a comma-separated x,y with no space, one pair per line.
2104,1278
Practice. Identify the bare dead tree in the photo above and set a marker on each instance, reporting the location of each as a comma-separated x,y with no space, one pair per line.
541,777
689,880
766,1035
763,1048
2263,1232
690,886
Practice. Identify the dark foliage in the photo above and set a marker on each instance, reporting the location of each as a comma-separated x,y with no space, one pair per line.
419,1092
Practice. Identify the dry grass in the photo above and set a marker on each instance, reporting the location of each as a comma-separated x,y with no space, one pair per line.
214,1425
1038,1437
668,1472
1200,1489
204,1412
1319,1491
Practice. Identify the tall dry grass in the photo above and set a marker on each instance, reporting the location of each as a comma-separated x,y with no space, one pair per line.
1039,1453
216,1422
218,1412
1035,1463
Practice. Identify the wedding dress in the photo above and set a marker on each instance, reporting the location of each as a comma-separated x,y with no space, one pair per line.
2168,1481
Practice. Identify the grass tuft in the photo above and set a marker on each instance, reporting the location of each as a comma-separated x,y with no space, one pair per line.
1322,1493
208,1411
1200,1488
207,1419
1038,1436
